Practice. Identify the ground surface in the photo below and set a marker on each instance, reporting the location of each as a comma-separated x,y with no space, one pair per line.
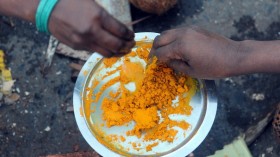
38,123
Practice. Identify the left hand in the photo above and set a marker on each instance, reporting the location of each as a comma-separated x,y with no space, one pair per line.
85,25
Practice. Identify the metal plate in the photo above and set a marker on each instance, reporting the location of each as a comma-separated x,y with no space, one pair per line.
204,105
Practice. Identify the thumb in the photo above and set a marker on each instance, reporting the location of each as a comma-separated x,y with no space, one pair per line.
165,39
166,53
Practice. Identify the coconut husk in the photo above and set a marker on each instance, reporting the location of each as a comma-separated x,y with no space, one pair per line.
276,123
154,6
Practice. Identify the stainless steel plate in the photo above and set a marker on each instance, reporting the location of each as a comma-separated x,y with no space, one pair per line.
204,105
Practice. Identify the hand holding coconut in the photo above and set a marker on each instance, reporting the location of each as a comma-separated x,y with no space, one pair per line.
206,55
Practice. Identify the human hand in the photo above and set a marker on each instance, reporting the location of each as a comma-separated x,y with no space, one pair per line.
84,25
197,52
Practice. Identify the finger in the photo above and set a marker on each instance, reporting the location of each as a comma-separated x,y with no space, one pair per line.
165,53
103,51
165,38
112,43
180,66
115,27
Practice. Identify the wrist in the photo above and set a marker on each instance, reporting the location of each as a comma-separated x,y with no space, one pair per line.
233,58
43,14
239,63
256,57
23,9
30,11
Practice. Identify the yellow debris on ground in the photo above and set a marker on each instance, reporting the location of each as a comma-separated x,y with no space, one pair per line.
6,80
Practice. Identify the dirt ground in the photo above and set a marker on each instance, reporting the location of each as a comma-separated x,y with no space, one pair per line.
38,124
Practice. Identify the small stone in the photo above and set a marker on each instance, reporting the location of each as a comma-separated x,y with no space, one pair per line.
26,93
25,111
18,90
14,125
269,149
58,73
258,96
69,109
47,128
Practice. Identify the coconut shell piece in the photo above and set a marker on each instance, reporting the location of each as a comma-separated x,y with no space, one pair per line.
154,6
276,123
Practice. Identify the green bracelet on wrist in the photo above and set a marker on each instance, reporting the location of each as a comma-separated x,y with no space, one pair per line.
43,13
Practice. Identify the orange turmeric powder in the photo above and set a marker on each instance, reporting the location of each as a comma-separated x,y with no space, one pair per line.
135,146
150,105
150,146
108,62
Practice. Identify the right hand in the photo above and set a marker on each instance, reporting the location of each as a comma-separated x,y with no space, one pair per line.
85,25
197,52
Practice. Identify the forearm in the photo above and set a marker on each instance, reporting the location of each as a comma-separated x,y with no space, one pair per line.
23,9
258,57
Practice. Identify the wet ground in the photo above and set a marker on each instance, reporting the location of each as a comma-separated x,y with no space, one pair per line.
38,124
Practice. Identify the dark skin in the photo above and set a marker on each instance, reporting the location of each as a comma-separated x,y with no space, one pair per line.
82,25
194,51
206,55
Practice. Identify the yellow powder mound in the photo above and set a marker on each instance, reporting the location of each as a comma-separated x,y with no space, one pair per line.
150,105
145,118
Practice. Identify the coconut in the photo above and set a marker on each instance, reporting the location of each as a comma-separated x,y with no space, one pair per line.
154,6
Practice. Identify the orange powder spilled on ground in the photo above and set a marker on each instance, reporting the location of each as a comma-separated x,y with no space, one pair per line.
150,105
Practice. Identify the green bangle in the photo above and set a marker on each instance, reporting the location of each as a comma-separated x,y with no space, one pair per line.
43,13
